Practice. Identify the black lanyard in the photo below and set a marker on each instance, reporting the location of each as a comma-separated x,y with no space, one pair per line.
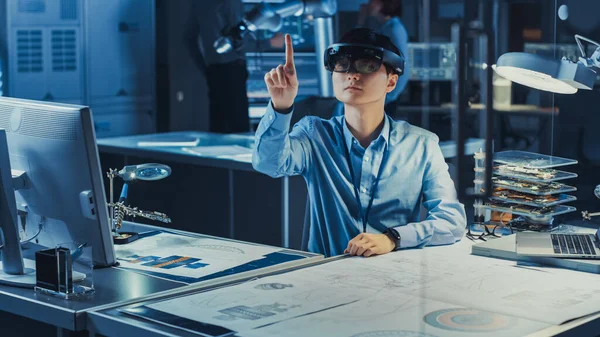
364,217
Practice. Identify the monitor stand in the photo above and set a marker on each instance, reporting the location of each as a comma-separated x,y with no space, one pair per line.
25,280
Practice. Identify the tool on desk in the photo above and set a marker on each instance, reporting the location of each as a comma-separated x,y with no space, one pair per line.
118,210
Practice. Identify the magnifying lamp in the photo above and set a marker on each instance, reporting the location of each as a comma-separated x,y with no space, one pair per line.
148,172
597,192
547,74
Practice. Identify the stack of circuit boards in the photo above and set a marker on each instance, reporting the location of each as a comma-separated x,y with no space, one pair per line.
527,184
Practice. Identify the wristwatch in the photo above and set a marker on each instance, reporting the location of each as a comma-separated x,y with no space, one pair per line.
394,236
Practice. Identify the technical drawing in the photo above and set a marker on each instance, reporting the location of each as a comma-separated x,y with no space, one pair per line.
273,286
468,320
243,312
221,248
393,333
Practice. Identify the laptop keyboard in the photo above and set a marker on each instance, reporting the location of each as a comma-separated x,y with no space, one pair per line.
573,244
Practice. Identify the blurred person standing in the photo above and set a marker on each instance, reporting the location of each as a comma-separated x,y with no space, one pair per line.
226,74
383,16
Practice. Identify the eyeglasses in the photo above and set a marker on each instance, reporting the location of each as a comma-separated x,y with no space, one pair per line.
494,229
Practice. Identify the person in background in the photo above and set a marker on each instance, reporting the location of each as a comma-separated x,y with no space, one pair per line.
383,16
226,74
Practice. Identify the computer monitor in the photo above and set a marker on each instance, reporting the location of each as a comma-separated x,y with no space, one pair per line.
55,145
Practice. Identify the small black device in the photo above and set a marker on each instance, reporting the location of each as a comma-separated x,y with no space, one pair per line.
122,238
394,236
54,270
361,58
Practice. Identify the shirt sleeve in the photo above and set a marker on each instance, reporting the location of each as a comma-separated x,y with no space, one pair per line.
446,220
277,151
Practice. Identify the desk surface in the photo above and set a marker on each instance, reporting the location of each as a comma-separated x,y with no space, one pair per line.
114,286
128,146
111,322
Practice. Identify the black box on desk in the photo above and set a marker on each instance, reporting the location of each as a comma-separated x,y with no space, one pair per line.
54,270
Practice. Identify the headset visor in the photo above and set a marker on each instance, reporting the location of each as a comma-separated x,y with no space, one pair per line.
362,59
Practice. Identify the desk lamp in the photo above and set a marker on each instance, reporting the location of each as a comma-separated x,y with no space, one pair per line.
558,76
118,210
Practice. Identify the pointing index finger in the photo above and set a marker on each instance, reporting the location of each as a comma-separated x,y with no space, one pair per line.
289,52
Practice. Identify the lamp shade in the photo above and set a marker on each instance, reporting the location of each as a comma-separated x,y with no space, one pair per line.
543,73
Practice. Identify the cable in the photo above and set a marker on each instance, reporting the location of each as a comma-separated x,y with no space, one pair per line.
41,226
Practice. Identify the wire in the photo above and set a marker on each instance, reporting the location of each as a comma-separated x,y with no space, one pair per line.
31,238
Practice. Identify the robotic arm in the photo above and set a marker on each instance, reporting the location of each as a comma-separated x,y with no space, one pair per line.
587,215
270,16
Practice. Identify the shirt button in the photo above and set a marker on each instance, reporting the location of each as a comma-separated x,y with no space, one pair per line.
366,158
364,190
354,141
271,117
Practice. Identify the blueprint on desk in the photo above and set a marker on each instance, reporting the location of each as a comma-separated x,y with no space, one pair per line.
429,292
192,259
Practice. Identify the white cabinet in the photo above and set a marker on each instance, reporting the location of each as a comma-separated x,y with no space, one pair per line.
44,50
120,39
94,52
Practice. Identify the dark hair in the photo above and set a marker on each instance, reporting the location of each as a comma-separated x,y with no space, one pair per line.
369,36
391,8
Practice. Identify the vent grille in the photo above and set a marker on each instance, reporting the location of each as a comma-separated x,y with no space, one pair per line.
68,9
49,124
32,6
64,50
62,125
5,113
29,51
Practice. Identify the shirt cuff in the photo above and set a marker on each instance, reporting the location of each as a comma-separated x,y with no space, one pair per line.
278,121
408,236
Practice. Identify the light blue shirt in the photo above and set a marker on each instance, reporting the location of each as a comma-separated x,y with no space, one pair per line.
414,172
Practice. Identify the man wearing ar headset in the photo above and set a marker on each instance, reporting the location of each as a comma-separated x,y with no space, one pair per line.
366,174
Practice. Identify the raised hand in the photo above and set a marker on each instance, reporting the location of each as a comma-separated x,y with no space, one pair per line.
282,82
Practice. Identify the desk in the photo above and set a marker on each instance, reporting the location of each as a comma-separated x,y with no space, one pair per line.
227,194
110,322
114,286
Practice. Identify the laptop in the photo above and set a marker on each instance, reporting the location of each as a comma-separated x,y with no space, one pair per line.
505,248
569,245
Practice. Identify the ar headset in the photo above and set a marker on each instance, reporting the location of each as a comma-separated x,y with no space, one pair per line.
361,58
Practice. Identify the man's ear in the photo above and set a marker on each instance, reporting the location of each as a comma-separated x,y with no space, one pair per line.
392,81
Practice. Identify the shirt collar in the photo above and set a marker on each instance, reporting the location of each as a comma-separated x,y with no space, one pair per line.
349,137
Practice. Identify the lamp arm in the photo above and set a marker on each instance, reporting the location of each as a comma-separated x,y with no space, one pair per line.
580,45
